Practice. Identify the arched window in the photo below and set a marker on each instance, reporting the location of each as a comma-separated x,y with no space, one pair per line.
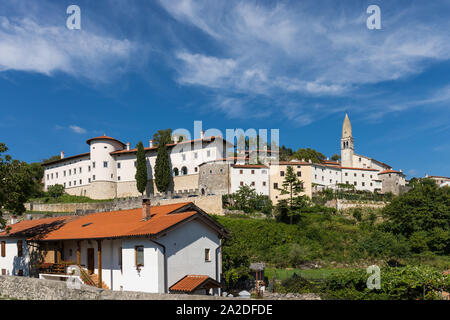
184,171
175,172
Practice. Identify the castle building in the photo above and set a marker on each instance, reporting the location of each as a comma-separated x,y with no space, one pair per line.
108,170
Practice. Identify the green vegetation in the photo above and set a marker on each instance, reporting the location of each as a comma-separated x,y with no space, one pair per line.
404,283
348,192
247,200
65,198
163,172
309,154
141,168
411,247
19,181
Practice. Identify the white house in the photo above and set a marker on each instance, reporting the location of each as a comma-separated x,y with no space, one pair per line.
252,175
149,249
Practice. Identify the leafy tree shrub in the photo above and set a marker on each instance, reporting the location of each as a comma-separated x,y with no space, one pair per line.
141,169
55,191
404,283
247,200
296,284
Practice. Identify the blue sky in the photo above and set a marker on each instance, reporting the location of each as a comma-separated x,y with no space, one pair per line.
298,66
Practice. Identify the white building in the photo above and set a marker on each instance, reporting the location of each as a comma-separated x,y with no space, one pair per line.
252,175
108,170
150,249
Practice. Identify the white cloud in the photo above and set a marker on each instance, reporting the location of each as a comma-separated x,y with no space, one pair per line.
26,45
299,49
77,129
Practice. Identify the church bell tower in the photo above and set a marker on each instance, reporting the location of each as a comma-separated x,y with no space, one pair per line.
347,147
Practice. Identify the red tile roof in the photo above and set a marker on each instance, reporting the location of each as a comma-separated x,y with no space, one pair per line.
125,223
34,228
67,158
190,283
365,169
207,139
105,138
256,166
390,171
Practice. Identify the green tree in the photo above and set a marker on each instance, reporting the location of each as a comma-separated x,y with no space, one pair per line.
141,168
335,157
51,159
293,187
285,153
418,213
309,154
248,200
55,191
163,174
162,137
16,184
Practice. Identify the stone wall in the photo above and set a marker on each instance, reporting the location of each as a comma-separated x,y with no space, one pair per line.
25,288
211,204
346,204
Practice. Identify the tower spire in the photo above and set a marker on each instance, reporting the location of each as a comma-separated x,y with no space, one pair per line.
347,146
346,128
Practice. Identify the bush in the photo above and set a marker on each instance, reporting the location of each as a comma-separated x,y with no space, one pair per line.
405,283
56,191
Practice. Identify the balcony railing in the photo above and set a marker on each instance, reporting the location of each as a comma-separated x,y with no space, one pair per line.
55,268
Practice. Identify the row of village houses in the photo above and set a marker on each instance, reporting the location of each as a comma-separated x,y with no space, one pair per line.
108,171
160,249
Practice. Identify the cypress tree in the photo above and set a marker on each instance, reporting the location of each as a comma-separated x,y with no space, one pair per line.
141,169
163,173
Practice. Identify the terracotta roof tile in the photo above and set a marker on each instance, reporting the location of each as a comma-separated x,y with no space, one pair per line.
104,138
390,171
123,223
35,228
189,283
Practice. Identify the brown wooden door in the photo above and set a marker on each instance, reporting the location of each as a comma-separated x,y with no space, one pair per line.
90,260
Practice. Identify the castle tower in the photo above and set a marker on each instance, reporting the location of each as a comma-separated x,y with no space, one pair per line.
347,147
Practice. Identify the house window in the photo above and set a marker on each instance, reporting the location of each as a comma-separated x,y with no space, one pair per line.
93,164
184,157
70,183
275,185
20,273
299,174
241,183
195,155
89,180
195,169
74,182
118,178
264,183
362,175
281,173
346,174
118,165
112,175
79,170
19,248
3,249
89,168
93,177
105,164
139,253
355,183
253,171
70,172
207,255
208,153
363,184
48,177
253,183
241,171
64,172
64,184
57,175
354,174
135,164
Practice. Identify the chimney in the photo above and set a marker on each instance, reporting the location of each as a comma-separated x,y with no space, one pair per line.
146,209
202,134
62,154
400,170
150,143
13,220
128,146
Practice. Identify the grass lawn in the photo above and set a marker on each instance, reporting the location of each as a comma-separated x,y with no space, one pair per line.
310,274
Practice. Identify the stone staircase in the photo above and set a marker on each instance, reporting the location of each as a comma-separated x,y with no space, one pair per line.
94,278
